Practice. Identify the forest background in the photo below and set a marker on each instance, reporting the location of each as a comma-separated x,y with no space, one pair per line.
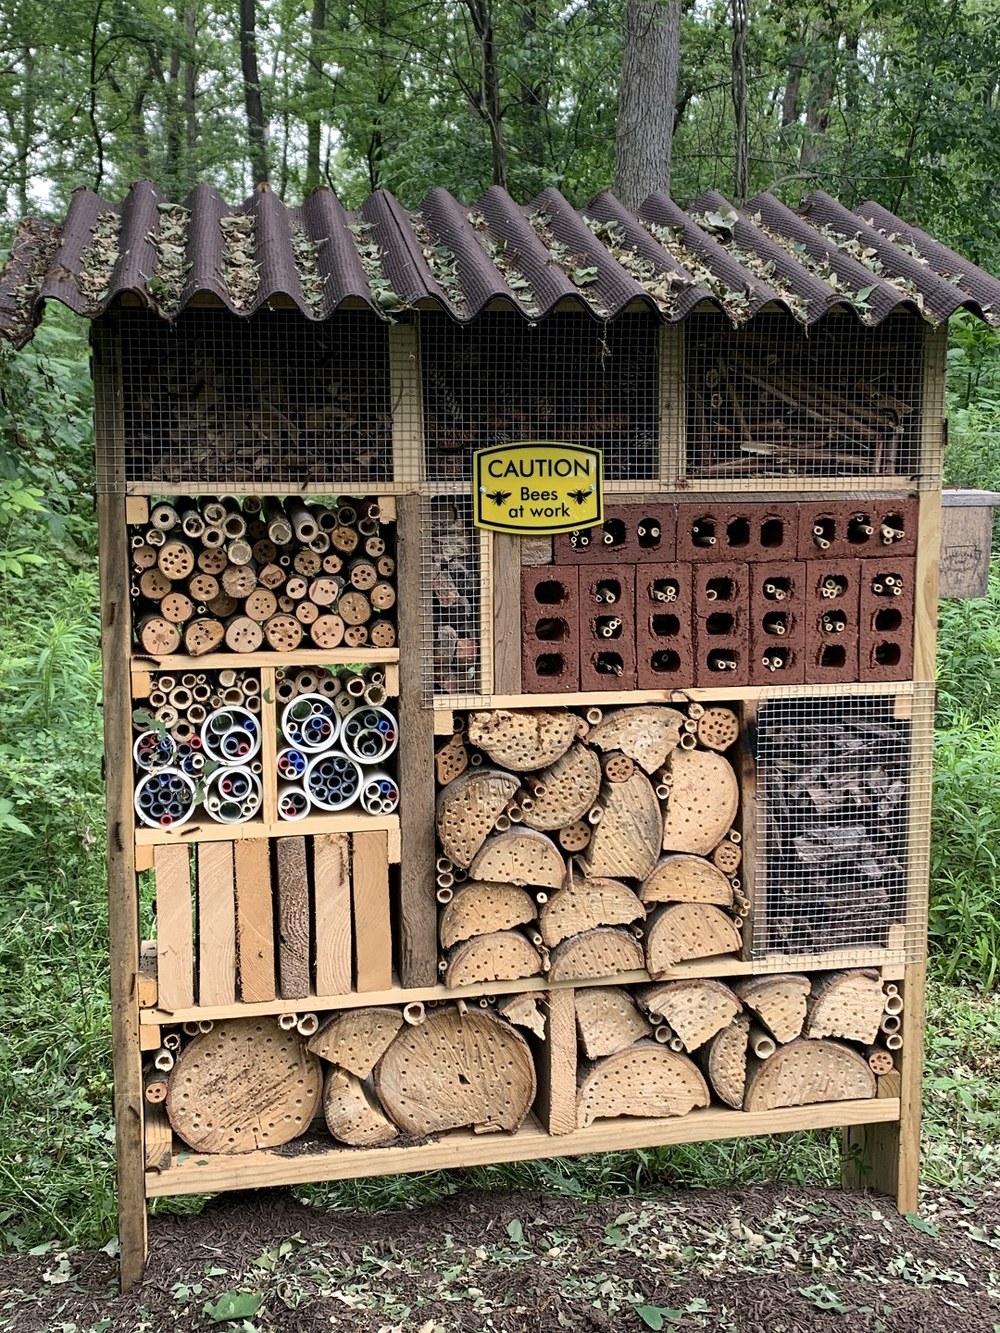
894,102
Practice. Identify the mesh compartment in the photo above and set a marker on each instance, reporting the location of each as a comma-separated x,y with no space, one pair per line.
455,590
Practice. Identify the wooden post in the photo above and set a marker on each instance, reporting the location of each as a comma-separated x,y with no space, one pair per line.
216,924
254,920
332,884
407,403
293,918
372,927
174,926
506,626
673,406
557,1065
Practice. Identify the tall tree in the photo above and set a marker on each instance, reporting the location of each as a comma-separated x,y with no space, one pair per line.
647,99
252,99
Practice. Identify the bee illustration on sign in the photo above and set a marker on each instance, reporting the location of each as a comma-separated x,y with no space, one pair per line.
541,486
499,498
580,497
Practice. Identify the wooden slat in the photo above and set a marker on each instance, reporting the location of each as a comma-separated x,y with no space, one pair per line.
293,918
159,1137
206,830
254,921
748,826
174,928
556,1064
216,924
297,657
407,403
673,408
146,976
506,613
332,892
370,896
136,510
269,745
692,693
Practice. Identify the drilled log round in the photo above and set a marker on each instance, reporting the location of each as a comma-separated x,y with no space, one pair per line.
222,606
805,1072
607,1020
159,637
520,856
727,856
680,878
466,811
306,613
686,931
627,839
176,607
718,728
382,633
355,636
203,636
154,585
846,1004
357,1038
344,539
244,1085
212,562
780,1002
647,1079
383,596
456,1070
238,580
584,903
306,563
175,560
362,575
203,587
525,740
261,604
352,1113
570,787
354,608
480,909
575,837
271,577
602,952
327,631
243,635
724,1060
618,767
646,733
703,802
283,633
695,1008
451,761
325,591
505,955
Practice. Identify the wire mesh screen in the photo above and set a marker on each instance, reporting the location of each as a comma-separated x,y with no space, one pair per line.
842,823
213,402
773,400
566,378
456,594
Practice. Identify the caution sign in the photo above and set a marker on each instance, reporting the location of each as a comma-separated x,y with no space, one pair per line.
538,486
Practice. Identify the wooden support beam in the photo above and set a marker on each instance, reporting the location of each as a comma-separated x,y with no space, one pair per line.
293,918
174,927
254,920
370,894
216,924
506,613
332,892
556,1064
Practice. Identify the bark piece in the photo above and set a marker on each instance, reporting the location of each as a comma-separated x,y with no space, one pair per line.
779,1002
520,856
451,760
293,918
456,1070
468,808
724,1060
607,1021
687,930
718,728
682,878
846,1004
357,1038
804,1072
524,1011
647,733
505,955
529,739
586,903
647,1079
628,838
570,787
246,1084
604,952
695,1008
703,802
481,909
352,1112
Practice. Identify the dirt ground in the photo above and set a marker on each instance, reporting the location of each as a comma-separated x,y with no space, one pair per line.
753,1260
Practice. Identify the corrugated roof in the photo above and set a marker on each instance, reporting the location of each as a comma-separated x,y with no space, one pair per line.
462,258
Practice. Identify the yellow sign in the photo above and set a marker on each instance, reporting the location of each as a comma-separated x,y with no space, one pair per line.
538,486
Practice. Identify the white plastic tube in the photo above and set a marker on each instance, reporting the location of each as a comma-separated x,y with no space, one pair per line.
380,794
233,795
369,735
165,798
310,723
154,749
227,730
293,801
333,781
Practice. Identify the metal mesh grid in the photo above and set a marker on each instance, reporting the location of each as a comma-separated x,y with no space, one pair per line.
215,403
565,378
456,602
773,400
842,814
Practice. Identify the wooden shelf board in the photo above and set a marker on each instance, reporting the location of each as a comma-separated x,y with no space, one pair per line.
199,830
208,1173
709,967
319,489
143,662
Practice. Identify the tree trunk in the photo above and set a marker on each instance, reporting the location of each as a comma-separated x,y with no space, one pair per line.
646,99
489,101
256,128
741,162
314,133
190,84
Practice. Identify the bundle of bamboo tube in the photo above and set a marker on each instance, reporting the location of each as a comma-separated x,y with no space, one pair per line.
215,574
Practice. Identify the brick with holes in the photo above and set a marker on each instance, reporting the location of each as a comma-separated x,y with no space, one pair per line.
664,641
607,628
550,617
632,532
718,532
857,529
833,595
885,648
777,623
721,597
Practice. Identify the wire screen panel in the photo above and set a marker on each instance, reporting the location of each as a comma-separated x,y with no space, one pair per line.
774,400
273,402
566,378
842,813
456,602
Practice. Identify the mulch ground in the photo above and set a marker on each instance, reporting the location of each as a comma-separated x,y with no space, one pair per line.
757,1260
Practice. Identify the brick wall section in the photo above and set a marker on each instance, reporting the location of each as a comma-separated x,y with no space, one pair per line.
664,639
885,650
622,522
594,647
832,658
844,525
550,617
742,532
721,622
778,603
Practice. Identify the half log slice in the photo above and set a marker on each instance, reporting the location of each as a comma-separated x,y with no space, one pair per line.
607,1021
628,839
645,1080
357,1038
468,808
352,1112
569,787
586,903
455,1070
724,1060
529,739
685,931
695,1008
520,856
524,1011
244,1085
778,1001
680,878
481,909
804,1072
504,955
703,802
647,734
604,952
846,1004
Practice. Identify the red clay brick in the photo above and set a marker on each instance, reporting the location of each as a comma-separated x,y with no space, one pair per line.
550,616
744,532
844,525
721,623
885,649
831,657
619,650
663,629
778,622
622,523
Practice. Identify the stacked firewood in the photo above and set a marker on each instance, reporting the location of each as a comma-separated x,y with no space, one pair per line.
552,827
756,1043
453,558
212,574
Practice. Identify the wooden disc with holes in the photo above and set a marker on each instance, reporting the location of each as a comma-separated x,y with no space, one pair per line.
727,856
355,636
244,1085
176,607
203,587
703,802
343,539
261,604
307,563
212,561
327,631
570,787
363,575
718,728
332,564
158,636
243,635
383,596
144,556
306,613
264,551
271,576
284,633
239,580
203,636
354,608
382,634
222,606
176,560
154,584
325,591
